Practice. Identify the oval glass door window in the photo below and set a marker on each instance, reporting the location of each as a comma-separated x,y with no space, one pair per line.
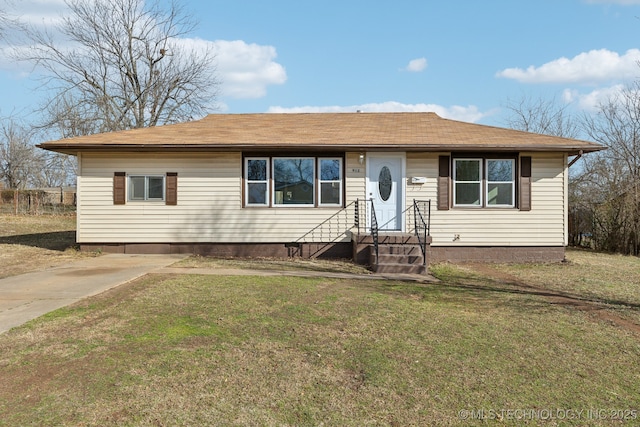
384,183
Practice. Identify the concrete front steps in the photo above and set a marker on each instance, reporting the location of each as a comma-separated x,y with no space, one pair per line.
397,253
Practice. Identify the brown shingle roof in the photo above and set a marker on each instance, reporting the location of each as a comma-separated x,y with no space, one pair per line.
323,131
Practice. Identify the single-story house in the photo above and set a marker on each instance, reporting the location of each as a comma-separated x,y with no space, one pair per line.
325,185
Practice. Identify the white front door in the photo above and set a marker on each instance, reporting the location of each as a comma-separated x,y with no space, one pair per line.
385,187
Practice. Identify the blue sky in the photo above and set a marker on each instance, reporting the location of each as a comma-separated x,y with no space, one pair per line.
463,59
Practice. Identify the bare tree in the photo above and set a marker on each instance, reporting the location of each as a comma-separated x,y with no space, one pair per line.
119,64
57,170
19,161
541,115
547,116
24,166
5,20
69,118
616,171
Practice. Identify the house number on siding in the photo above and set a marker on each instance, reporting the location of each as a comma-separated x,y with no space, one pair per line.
355,170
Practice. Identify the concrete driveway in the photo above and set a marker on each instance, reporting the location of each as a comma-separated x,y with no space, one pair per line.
31,295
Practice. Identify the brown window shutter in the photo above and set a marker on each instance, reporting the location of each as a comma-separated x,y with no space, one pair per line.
119,192
171,196
525,183
444,174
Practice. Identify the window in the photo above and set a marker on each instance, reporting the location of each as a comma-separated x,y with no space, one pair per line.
501,182
330,181
293,181
257,180
484,182
146,187
467,179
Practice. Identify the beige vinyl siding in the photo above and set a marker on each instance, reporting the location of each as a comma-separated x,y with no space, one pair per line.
355,177
209,205
210,208
544,225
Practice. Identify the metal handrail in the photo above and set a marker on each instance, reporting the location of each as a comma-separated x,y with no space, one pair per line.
422,227
327,223
360,215
374,229
373,226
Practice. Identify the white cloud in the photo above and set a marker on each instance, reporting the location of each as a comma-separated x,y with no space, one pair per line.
590,101
588,67
416,65
37,12
466,114
245,70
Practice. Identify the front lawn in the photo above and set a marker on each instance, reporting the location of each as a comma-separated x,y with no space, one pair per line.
252,350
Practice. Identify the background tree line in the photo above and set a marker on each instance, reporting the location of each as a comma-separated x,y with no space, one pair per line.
604,187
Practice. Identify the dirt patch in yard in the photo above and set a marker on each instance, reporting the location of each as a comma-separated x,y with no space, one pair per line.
89,272
33,243
597,308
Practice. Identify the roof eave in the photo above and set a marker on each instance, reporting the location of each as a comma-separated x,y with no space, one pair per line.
74,149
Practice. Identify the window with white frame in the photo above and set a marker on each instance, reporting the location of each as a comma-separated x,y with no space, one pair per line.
257,181
484,182
467,182
146,187
330,178
293,181
501,186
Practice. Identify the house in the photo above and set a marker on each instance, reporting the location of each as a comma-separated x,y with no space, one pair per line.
318,184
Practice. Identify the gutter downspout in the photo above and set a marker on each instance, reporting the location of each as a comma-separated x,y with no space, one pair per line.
576,158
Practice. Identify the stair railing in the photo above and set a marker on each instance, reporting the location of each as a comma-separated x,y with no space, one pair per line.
331,229
360,220
374,229
422,225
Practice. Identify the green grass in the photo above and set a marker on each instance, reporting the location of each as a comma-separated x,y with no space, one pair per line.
224,350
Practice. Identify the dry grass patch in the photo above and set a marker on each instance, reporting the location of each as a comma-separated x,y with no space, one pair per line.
35,242
292,264
219,350
590,274
611,282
